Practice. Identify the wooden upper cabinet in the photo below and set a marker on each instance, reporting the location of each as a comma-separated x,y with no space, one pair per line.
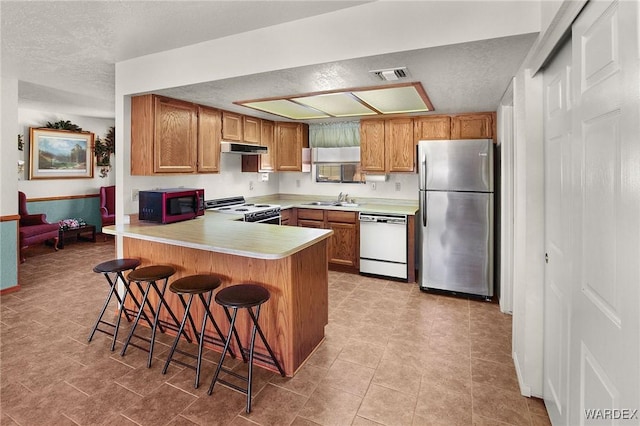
175,136
232,126
472,126
290,138
262,162
372,146
436,127
209,133
163,135
267,135
251,129
399,145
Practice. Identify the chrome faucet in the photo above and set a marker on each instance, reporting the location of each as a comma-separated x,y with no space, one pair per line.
342,197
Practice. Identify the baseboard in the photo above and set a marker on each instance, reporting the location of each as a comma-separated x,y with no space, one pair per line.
10,290
524,389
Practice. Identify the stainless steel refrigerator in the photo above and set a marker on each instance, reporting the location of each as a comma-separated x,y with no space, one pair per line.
456,215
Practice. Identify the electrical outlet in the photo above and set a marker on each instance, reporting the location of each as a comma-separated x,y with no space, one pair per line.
264,177
250,185
373,186
398,186
134,194
297,183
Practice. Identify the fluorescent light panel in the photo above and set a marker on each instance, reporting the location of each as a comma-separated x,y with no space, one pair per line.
398,99
341,104
287,109
394,100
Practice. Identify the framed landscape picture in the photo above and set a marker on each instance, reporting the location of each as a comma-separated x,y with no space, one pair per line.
60,154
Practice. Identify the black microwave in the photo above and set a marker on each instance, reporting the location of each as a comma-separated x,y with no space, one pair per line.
170,205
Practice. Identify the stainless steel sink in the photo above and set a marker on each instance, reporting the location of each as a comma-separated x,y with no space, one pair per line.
332,203
323,203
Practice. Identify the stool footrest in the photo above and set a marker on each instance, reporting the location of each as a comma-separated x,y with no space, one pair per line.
215,341
233,385
108,333
266,358
184,364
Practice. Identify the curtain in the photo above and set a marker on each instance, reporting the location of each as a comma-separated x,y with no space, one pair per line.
334,135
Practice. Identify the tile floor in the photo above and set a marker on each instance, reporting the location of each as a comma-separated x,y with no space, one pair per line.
392,356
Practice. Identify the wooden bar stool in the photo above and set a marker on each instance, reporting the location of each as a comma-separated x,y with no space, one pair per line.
237,297
192,285
150,275
117,267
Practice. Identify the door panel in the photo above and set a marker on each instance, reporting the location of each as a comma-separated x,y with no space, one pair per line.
557,301
605,340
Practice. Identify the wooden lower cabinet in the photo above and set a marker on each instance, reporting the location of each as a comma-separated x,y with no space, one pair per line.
287,217
344,247
310,223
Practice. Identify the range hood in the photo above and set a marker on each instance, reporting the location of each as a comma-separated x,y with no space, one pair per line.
242,148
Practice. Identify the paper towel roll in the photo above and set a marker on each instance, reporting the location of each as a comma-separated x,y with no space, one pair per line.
376,178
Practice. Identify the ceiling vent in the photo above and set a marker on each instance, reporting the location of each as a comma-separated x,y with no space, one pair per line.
391,74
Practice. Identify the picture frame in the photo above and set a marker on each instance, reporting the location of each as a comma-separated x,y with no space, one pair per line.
60,154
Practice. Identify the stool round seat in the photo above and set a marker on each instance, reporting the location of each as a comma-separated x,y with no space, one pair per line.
242,296
117,265
195,284
151,273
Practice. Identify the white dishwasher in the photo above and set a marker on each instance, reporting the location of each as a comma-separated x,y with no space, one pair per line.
383,244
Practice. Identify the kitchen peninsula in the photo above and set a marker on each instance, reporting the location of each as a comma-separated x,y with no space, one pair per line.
290,262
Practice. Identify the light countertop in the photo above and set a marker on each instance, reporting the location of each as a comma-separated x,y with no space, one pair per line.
365,205
221,233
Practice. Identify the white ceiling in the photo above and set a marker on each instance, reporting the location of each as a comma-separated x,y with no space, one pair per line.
63,54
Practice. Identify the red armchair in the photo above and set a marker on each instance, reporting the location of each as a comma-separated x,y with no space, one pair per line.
34,228
108,205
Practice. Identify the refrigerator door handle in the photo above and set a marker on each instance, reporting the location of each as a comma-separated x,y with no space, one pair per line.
422,172
423,208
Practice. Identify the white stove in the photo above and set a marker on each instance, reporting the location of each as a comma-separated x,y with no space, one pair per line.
251,212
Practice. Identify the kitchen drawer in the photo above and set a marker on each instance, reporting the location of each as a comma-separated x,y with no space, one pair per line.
312,214
310,224
341,216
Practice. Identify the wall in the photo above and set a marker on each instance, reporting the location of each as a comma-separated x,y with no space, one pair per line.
548,11
528,274
229,182
52,187
8,195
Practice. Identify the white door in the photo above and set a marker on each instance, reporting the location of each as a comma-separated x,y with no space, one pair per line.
558,231
605,323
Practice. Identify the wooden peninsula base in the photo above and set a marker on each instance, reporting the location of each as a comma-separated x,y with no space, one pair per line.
293,319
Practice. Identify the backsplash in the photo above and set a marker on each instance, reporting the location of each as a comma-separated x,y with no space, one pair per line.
399,186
